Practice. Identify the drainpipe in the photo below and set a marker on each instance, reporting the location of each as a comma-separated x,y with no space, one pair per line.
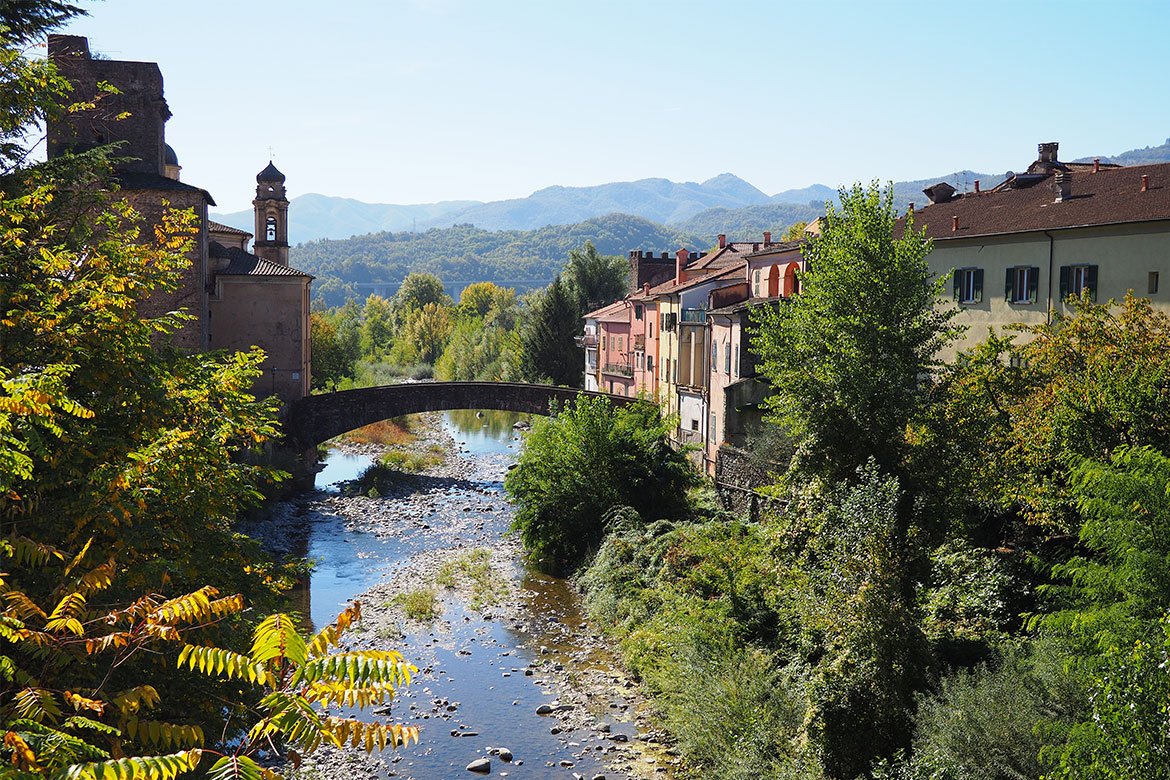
1051,241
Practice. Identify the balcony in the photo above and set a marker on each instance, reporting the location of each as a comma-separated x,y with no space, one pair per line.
618,369
587,340
694,316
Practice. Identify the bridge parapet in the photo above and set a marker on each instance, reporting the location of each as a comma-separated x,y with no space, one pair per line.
318,418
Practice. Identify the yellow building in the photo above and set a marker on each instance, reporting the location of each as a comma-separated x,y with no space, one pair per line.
1045,234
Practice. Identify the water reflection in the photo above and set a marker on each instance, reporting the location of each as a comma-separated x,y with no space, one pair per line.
486,432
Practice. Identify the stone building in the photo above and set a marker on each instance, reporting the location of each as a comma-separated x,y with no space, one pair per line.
237,299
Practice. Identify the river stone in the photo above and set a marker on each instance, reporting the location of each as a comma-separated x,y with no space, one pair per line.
505,755
544,709
481,765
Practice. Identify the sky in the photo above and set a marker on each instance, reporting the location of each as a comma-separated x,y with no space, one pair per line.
418,101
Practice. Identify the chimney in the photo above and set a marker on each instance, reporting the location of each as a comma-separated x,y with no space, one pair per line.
646,288
1048,151
1063,180
1145,182
767,238
976,186
1096,165
911,209
680,265
722,240
954,223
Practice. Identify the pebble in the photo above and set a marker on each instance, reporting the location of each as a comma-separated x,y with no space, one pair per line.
481,765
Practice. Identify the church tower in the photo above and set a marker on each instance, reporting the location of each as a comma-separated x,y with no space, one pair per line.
271,208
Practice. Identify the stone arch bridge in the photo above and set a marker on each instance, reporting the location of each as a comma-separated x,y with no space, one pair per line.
318,418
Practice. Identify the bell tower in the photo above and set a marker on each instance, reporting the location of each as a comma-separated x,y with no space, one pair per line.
271,208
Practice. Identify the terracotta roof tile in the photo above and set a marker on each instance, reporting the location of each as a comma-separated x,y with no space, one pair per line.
241,263
1108,197
219,227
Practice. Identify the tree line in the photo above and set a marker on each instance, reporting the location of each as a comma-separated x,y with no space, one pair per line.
491,334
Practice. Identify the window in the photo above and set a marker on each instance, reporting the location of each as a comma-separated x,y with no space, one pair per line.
1021,284
712,434
650,363
967,285
714,355
649,330
1077,279
270,229
727,359
667,369
637,311
737,360
621,343
1152,287
694,425
756,283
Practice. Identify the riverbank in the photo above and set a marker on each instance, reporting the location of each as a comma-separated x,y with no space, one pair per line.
508,667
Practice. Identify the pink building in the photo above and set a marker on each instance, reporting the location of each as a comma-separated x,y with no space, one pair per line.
645,334
615,348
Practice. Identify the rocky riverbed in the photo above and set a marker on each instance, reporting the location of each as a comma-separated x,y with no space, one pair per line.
512,680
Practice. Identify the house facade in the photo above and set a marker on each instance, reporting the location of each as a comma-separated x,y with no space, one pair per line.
1055,230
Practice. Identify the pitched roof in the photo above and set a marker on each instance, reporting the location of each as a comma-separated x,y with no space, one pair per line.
608,312
693,280
241,263
219,227
134,180
1109,197
777,247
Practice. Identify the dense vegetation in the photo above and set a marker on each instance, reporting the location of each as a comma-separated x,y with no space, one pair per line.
463,254
963,575
123,466
491,335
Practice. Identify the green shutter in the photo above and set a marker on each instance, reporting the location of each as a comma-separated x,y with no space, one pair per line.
978,285
1033,283
956,283
1092,281
1008,284
1065,282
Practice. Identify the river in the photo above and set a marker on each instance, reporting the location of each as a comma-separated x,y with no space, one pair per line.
487,664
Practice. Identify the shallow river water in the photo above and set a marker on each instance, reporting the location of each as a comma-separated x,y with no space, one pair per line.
483,673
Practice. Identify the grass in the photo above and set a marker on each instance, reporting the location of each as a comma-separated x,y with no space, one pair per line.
472,571
411,462
395,432
422,605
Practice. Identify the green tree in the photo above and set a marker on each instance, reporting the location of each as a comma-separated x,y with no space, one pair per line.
423,336
377,329
849,357
583,461
548,349
794,232
477,299
417,290
595,279
333,360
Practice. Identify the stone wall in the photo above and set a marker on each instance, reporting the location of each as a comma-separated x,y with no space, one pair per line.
738,479
318,418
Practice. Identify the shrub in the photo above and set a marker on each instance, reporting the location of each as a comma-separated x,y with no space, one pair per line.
583,461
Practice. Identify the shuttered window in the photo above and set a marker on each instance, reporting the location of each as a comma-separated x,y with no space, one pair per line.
1076,279
967,285
1021,284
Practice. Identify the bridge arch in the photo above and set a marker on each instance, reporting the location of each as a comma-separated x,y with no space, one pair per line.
318,418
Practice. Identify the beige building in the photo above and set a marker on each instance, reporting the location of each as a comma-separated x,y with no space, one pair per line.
1055,230
238,300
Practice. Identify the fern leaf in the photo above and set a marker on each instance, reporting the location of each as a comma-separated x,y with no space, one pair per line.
216,661
235,768
276,638
329,636
138,768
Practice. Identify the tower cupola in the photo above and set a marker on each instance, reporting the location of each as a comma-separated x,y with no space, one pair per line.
271,207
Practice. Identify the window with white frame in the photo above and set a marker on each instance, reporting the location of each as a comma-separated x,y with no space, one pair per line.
967,285
1021,284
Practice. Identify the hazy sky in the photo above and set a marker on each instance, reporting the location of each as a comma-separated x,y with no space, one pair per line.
415,101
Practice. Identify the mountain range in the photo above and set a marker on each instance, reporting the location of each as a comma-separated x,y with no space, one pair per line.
689,207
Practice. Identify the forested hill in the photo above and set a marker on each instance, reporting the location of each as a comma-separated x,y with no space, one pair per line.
459,255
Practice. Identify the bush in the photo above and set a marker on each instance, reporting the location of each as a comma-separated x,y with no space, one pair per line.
992,722
583,461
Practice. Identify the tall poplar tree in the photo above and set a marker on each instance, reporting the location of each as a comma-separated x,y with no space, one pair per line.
549,352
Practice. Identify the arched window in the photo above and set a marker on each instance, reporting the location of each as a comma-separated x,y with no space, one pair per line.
270,230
